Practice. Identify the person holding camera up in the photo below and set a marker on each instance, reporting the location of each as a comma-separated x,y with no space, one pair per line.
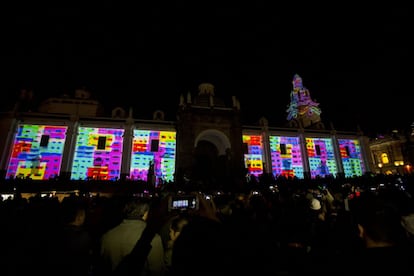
200,249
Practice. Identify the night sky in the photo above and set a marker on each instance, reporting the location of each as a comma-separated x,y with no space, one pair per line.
353,59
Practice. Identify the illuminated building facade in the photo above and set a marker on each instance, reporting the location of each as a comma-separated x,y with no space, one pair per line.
208,143
393,153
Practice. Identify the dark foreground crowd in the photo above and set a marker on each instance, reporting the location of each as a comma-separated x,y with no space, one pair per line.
279,229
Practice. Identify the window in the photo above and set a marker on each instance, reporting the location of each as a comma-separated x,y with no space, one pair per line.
283,148
44,141
318,150
384,158
101,142
154,145
348,153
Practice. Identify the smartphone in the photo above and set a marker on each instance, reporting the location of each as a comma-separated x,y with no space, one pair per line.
183,202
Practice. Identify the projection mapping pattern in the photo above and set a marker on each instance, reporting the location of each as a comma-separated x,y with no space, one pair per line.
253,157
286,156
321,157
98,154
37,152
153,150
351,156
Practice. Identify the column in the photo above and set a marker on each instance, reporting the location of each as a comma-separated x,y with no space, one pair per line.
267,160
367,158
7,146
127,150
304,154
338,159
69,149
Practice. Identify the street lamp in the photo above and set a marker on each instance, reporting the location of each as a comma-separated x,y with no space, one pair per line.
408,168
398,164
380,167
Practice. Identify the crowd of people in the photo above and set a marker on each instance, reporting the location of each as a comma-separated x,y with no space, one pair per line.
282,228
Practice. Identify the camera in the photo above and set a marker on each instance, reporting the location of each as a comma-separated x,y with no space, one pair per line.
183,202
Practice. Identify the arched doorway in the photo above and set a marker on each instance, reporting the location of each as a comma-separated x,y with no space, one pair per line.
205,160
210,159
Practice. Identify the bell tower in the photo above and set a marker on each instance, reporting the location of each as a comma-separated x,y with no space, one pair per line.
303,112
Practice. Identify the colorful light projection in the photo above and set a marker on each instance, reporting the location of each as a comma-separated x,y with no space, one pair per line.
37,152
158,147
253,154
350,150
286,156
321,157
301,103
98,154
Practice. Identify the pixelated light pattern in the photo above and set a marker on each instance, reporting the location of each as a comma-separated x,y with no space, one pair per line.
94,161
321,157
301,103
253,159
351,155
34,159
154,146
286,156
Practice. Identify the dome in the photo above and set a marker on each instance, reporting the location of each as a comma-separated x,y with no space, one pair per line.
206,94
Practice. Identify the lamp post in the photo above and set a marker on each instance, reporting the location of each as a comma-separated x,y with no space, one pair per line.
380,167
408,168
398,165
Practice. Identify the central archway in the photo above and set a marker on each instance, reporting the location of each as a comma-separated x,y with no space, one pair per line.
217,138
210,158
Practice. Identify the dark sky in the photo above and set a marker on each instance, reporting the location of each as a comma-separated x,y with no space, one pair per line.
353,59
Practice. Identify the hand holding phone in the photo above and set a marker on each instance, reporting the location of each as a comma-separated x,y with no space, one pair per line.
183,202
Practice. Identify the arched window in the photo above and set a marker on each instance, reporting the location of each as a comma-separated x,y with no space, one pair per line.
384,158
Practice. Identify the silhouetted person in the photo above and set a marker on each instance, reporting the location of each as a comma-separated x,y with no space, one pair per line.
73,242
385,247
176,226
200,248
119,241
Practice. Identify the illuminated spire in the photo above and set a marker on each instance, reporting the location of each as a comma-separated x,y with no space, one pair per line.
302,107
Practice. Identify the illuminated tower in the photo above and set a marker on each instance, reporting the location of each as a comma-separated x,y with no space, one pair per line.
302,110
